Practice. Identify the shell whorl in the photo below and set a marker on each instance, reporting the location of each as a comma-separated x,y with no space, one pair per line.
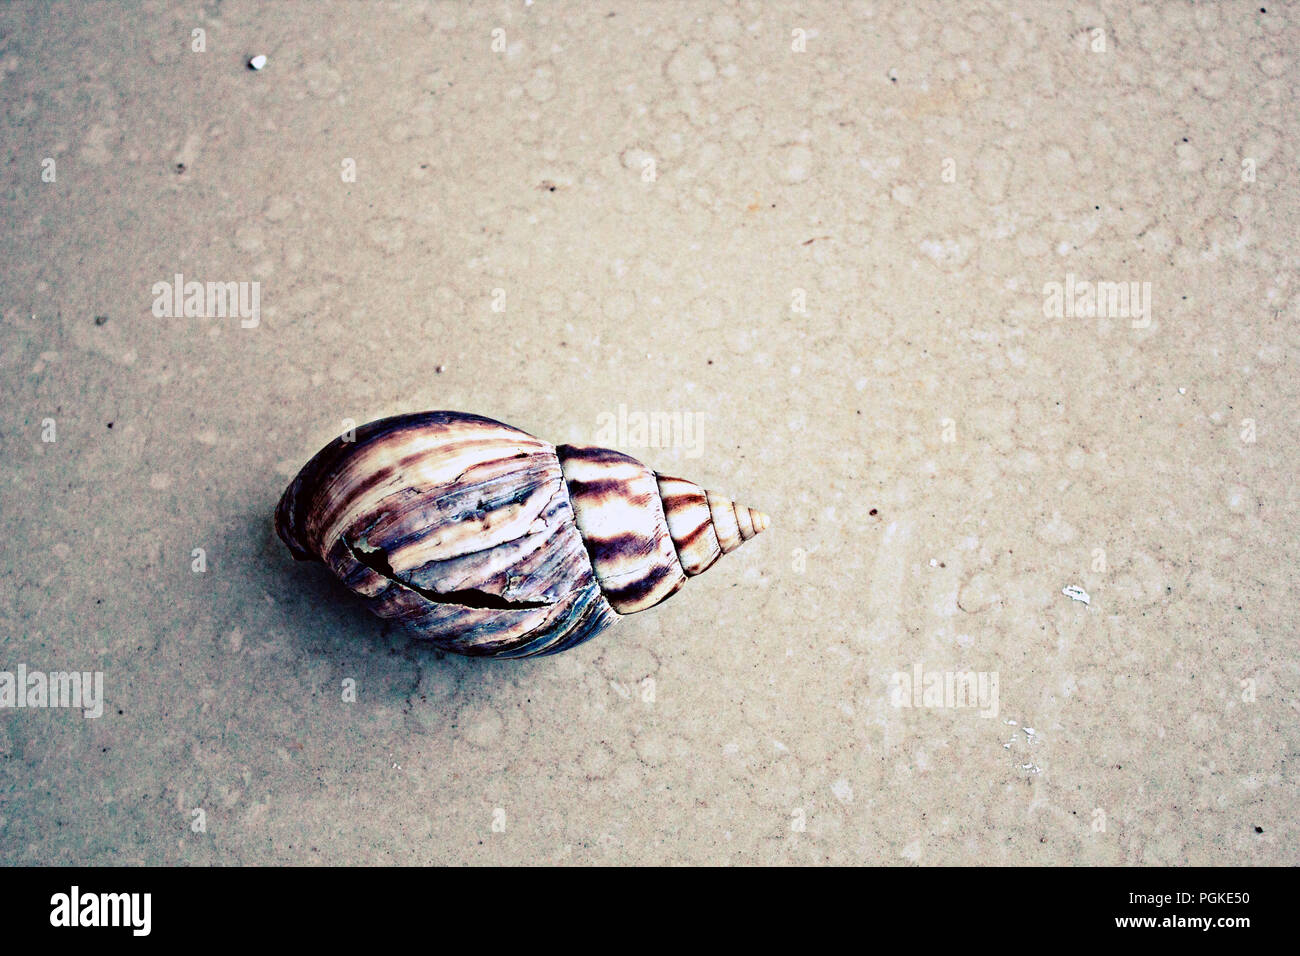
646,533
455,525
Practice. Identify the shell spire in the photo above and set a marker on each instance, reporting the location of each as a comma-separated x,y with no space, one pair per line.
704,524
647,533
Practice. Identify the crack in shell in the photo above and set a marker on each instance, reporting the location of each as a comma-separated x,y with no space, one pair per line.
376,559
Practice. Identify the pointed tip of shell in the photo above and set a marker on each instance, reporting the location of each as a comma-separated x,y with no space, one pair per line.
734,524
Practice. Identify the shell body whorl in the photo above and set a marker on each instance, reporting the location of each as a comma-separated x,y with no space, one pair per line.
490,542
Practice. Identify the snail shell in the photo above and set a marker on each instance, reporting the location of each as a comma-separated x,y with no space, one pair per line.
490,542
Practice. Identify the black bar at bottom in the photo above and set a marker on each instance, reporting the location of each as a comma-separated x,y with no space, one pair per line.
608,908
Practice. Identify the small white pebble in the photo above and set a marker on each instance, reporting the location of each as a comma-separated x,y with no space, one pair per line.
1028,730
1182,391
934,563
257,62
1076,593
440,369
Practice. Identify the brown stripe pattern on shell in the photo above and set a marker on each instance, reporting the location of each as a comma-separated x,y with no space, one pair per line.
490,542
617,507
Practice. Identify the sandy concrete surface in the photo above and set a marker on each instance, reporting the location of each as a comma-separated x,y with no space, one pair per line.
849,246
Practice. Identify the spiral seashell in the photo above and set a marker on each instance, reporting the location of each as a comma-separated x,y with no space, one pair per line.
490,542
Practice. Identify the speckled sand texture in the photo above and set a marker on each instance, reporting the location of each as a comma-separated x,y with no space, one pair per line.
825,238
